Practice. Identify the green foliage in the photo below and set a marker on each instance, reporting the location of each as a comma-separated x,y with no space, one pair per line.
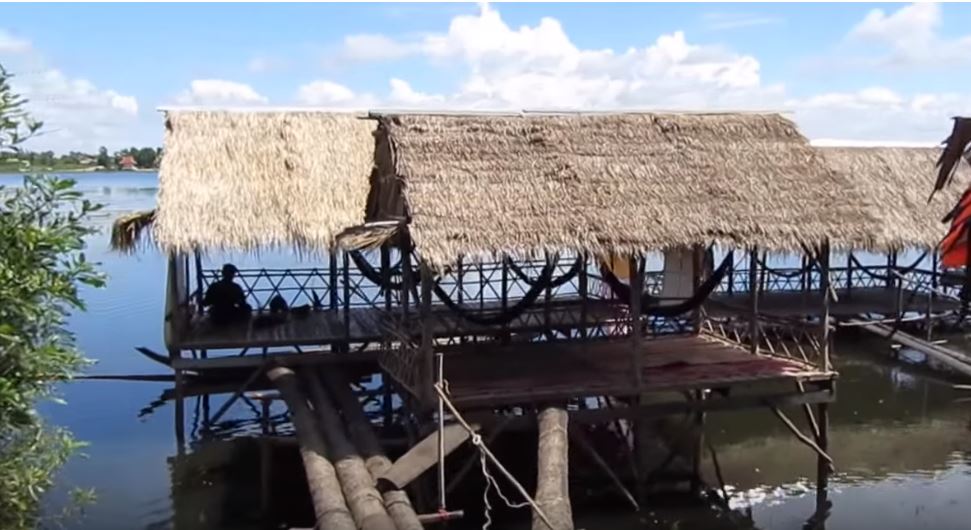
42,229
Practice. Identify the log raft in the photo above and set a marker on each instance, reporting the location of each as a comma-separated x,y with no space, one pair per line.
325,489
363,436
366,504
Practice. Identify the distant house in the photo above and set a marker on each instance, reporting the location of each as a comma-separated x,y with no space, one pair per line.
127,163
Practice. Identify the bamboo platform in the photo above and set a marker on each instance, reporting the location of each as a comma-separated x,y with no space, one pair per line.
366,324
852,302
490,375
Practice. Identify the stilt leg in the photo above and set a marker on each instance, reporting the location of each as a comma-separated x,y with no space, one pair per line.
822,466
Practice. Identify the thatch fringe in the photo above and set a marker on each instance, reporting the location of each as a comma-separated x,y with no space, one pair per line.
132,231
262,180
477,186
898,181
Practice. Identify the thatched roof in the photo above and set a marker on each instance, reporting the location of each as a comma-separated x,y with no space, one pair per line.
243,180
479,185
900,180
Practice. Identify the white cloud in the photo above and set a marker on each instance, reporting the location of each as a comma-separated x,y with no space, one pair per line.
10,43
910,37
540,66
77,115
372,47
220,92
322,93
262,64
880,115
726,21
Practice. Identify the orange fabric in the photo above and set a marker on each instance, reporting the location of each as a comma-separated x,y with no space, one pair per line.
954,247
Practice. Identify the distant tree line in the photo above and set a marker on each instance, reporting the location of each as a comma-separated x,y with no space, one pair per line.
130,158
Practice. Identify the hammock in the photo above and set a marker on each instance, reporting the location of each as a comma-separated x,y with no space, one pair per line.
554,283
652,306
508,314
902,270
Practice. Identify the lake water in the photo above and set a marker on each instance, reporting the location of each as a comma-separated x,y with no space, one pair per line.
901,442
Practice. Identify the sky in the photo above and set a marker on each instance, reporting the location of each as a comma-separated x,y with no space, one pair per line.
96,74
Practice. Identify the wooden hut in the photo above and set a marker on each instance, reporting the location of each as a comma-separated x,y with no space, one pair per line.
492,238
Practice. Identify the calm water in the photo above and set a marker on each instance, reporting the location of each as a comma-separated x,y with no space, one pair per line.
901,442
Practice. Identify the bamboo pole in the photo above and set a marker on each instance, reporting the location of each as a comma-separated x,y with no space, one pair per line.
325,490
552,481
363,436
366,504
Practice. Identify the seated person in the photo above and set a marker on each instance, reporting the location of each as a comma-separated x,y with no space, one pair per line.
226,299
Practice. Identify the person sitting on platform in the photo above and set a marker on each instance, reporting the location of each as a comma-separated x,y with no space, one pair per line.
226,299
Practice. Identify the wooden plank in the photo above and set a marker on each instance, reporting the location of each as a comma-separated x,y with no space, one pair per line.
422,457
285,359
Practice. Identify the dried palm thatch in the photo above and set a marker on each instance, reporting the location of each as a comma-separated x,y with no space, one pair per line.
131,231
898,180
244,180
477,186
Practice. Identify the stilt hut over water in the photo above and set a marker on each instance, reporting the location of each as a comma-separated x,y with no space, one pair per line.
508,254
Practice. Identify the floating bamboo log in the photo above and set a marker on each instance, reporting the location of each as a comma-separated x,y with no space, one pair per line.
325,490
365,502
955,360
552,481
363,436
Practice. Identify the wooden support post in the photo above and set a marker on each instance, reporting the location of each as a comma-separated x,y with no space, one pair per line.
824,320
364,501
891,266
583,289
849,272
332,280
325,489
699,421
547,297
753,288
427,355
822,465
731,272
199,280
697,267
347,302
552,478
504,296
407,281
636,331
579,437
364,438
641,446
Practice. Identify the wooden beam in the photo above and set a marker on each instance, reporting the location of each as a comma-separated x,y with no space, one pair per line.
580,438
325,489
552,475
824,284
422,457
660,410
427,353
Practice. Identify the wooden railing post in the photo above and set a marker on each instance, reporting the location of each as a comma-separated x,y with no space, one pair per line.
825,286
426,355
753,288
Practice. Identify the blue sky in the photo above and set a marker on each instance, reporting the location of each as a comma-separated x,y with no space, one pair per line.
850,72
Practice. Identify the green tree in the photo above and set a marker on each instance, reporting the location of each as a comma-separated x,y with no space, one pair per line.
43,225
103,159
145,157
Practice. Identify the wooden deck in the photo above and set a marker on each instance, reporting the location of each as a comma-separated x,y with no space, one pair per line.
854,302
366,324
490,375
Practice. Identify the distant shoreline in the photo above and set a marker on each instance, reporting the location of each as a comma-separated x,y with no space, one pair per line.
5,171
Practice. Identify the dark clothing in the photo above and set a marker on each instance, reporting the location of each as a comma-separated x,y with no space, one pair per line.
227,302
